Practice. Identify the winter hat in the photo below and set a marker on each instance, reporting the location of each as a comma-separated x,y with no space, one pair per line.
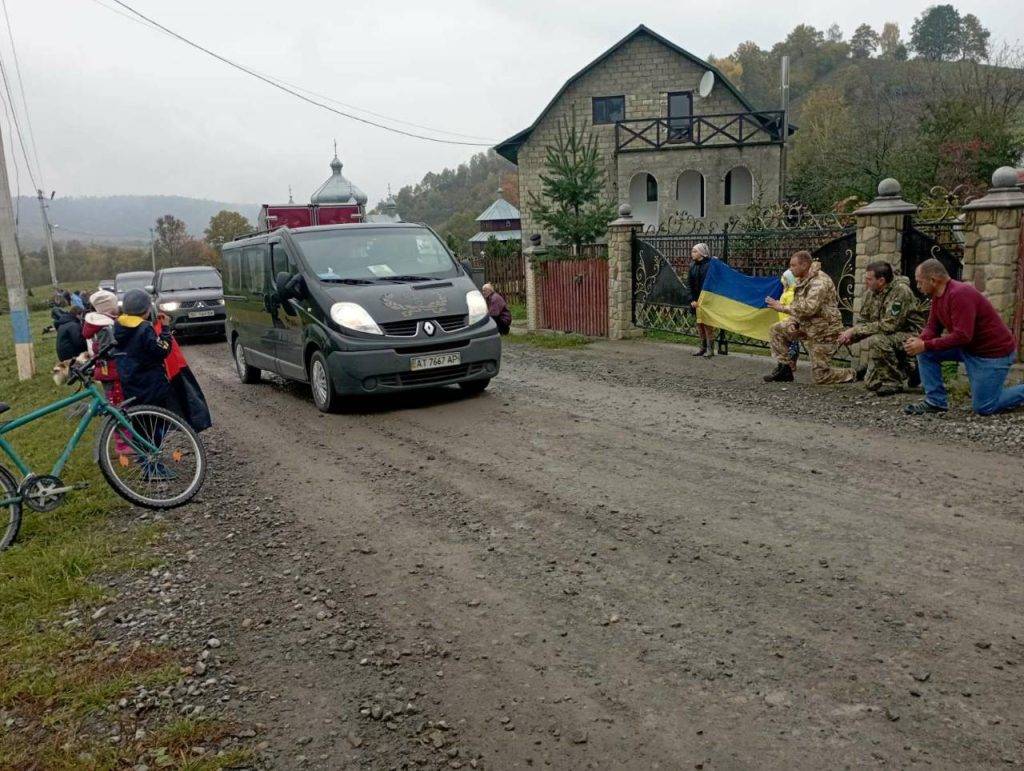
137,302
702,250
104,302
788,279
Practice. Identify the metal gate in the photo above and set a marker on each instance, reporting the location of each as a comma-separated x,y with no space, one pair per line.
942,241
574,296
661,295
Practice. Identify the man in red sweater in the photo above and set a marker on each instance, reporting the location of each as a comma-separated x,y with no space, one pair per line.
962,326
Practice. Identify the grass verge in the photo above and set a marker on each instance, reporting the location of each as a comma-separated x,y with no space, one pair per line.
57,681
549,341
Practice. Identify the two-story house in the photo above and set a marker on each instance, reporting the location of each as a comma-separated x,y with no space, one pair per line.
665,147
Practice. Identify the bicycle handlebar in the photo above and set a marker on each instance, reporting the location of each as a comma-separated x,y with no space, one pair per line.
83,372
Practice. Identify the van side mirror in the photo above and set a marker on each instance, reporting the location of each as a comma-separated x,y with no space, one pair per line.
467,266
150,288
281,282
289,286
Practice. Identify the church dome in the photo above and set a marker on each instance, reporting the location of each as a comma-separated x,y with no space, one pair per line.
337,189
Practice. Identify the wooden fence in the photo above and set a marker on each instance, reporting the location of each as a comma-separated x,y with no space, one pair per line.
507,273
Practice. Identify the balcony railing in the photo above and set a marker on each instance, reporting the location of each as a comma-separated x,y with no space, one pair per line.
729,129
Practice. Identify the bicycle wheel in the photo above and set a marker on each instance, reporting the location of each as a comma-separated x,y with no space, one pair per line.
162,479
8,489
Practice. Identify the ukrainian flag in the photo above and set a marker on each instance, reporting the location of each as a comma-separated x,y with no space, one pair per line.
734,301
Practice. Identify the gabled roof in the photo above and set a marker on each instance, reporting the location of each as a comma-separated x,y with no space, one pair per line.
497,235
509,149
499,210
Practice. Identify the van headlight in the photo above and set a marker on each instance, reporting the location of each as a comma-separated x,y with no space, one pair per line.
355,317
171,306
477,306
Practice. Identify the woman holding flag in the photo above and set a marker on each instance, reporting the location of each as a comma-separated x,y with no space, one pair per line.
700,262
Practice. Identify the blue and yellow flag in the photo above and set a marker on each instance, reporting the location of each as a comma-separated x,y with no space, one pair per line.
734,301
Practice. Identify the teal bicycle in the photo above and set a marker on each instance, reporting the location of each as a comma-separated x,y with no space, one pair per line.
150,456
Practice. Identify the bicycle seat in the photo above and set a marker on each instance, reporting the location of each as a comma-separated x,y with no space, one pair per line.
4,408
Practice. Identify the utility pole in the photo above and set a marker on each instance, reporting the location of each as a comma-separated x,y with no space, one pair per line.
48,228
784,81
12,277
152,248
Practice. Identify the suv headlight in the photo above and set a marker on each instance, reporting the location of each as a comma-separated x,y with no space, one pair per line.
355,317
170,306
477,306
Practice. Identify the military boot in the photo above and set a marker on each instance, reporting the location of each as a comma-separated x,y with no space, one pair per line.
782,373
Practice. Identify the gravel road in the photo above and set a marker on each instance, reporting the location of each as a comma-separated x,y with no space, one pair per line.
617,557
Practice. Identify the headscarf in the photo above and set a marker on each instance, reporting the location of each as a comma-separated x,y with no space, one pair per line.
703,250
788,279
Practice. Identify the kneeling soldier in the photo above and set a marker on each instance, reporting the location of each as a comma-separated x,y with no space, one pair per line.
891,314
814,318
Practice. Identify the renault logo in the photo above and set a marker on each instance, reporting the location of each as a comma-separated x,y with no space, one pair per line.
429,328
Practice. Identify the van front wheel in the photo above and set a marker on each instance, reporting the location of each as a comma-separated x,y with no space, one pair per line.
325,397
246,373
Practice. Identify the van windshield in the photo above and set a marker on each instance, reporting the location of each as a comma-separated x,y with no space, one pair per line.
367,254
192,279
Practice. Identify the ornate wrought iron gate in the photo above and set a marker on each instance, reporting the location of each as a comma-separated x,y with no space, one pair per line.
661,295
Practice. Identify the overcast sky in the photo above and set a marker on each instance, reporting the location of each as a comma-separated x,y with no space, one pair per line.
119,108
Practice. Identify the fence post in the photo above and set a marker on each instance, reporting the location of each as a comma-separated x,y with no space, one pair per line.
879,237
992,242
532,255
620,273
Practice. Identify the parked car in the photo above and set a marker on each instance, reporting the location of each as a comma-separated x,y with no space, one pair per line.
108,285
357,309
136,279
193,299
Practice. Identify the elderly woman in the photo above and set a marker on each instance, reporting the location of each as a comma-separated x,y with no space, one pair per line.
701,256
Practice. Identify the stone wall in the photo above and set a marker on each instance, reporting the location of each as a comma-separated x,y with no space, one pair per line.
644,71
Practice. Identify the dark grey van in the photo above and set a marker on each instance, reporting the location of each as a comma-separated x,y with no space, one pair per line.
356,309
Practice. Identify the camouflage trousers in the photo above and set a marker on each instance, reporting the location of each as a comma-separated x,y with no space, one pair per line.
887,364
821,345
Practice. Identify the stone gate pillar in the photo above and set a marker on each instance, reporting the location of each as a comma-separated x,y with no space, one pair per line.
620,274
879,237
991,241
880,233
531,255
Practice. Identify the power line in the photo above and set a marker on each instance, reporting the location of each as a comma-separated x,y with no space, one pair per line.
17,126
24,101
297,87
293,92
14,162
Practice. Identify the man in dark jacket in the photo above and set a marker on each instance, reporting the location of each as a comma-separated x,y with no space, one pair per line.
68,325
141,365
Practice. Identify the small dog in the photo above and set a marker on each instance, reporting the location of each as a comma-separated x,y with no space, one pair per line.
62,369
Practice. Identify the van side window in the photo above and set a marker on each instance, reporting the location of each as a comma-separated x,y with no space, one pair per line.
255,259
232,259
280,260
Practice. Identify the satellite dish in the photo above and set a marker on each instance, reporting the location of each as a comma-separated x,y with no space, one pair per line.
707,82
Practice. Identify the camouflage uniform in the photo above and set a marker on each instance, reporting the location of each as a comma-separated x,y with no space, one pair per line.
887,319
814,319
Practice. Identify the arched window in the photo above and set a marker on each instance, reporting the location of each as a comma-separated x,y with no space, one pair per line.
643,197
739,187
690,193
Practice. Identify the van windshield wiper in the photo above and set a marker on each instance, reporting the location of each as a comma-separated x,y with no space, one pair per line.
408,278
334,280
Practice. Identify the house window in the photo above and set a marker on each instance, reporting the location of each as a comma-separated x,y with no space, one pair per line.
608,109
680,115
739,187
652,189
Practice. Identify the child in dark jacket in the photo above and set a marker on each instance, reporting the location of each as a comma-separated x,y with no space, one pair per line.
68,324
141,365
